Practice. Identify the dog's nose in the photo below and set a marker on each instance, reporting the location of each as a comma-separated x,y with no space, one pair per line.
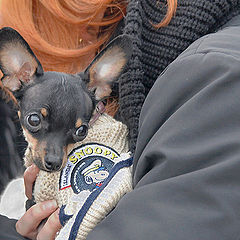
52,163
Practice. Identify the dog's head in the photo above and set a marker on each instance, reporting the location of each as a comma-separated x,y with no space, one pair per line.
55,108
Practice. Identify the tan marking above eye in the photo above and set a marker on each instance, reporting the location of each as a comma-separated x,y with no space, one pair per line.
19,114
78,123
44,112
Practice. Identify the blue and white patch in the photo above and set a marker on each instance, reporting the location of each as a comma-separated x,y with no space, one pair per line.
87,167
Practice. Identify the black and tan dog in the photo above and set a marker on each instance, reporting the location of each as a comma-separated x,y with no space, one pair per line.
55,108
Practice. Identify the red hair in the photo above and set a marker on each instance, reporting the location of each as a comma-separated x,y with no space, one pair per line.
65,35
171,10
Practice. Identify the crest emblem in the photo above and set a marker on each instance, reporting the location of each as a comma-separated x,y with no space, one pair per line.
87,167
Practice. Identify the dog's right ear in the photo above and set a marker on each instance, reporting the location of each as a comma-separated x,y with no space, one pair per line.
107,66
18,63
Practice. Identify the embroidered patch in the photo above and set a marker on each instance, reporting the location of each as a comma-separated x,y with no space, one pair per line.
87,167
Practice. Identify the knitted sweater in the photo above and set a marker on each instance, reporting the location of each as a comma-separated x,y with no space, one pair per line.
154,49
96,176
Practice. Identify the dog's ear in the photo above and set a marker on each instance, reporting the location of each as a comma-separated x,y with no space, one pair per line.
107,66
18,63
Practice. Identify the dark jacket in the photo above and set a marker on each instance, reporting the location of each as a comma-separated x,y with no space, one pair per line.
187,160
10,164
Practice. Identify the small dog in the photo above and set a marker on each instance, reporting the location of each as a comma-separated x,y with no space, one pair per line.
82,153
55,108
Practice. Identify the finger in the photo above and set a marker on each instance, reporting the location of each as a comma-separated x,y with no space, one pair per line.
30,176
27,225
50,229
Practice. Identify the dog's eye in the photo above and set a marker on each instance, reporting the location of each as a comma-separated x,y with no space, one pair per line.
81,133
33,120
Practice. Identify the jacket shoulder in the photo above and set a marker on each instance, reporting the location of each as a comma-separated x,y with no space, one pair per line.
225,41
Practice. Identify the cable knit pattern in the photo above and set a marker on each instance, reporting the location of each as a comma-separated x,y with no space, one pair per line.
106,131
155,49
131,89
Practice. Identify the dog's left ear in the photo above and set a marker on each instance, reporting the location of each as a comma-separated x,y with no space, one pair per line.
107,66
18,63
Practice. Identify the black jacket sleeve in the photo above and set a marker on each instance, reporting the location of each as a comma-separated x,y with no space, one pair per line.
8,231
187,161
10,164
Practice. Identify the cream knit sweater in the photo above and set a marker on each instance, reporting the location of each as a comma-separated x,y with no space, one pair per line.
97,175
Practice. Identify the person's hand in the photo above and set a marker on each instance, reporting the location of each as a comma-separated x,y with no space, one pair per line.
30,176
28,224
